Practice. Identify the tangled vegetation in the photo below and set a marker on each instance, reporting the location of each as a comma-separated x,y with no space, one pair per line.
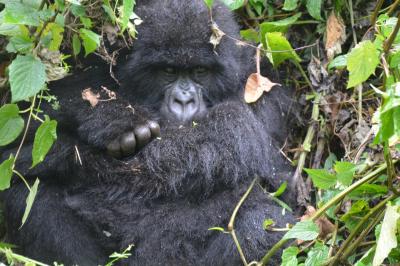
343,58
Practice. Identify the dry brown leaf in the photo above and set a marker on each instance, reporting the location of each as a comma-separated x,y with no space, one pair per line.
335,35
255,87
324,225
216,35
90,96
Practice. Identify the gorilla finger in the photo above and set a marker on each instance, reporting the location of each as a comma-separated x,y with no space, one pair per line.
128,143
154,128
143,135
113,149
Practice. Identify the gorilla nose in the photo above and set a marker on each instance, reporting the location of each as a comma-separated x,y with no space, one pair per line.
183,104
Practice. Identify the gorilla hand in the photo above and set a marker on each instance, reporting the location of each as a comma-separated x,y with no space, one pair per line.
129,142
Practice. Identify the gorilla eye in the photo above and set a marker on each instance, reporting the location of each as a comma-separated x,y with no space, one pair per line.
170,70
200,70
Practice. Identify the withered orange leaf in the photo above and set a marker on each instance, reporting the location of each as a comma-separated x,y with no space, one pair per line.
255,87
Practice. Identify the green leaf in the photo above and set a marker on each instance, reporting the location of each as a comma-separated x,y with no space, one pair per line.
27,77
250,35
366,259
275,41
339,62
345,172
280,190
267,223
56,36
22,44
321,178
11,124
44,138
29,201
362,62
233,4
23,14
305,230
314,8
290,5
209,3
368,191
76,44
127,11
289,256
280,25
387,238
90,40
6,172
317,255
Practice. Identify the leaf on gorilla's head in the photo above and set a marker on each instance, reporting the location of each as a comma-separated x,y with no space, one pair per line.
90,96
255,87
216,35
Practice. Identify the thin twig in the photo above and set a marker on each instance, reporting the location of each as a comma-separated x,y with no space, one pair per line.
231,229
376,11
26,129
389,42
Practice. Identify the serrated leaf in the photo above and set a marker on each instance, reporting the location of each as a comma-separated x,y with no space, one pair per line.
23,14
11,124
321,178
29,201
290,5
22,44
276,41
317,255
289,256
366,53
305,230
387,238
233,4
339,62
90,40
314,8
209,3
345,172
27,77
6,172
44,138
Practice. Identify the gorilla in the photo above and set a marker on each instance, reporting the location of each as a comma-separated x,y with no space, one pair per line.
164,160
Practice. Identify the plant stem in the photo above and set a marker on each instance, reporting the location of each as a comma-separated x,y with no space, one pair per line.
389,42
376,11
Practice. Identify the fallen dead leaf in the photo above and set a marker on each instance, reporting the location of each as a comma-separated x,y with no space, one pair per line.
255,87
335,35
90,96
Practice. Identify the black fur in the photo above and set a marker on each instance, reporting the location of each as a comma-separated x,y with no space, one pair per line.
164,198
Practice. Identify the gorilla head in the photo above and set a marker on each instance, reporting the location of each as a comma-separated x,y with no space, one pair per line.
174,69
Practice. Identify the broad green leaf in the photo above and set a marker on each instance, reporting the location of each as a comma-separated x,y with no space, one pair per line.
352,217
90,40
321,178
387,238
314,8
209,3
44,138
8,29
289,256
366,259
76,44
317,255
276,41
250,35
29,201
233,4
345,172
56,36
305,230
11,124
109,10
22,44
27,77
78,10
362,62
6,172
368,191
279,25
23,14
127,11
290,5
